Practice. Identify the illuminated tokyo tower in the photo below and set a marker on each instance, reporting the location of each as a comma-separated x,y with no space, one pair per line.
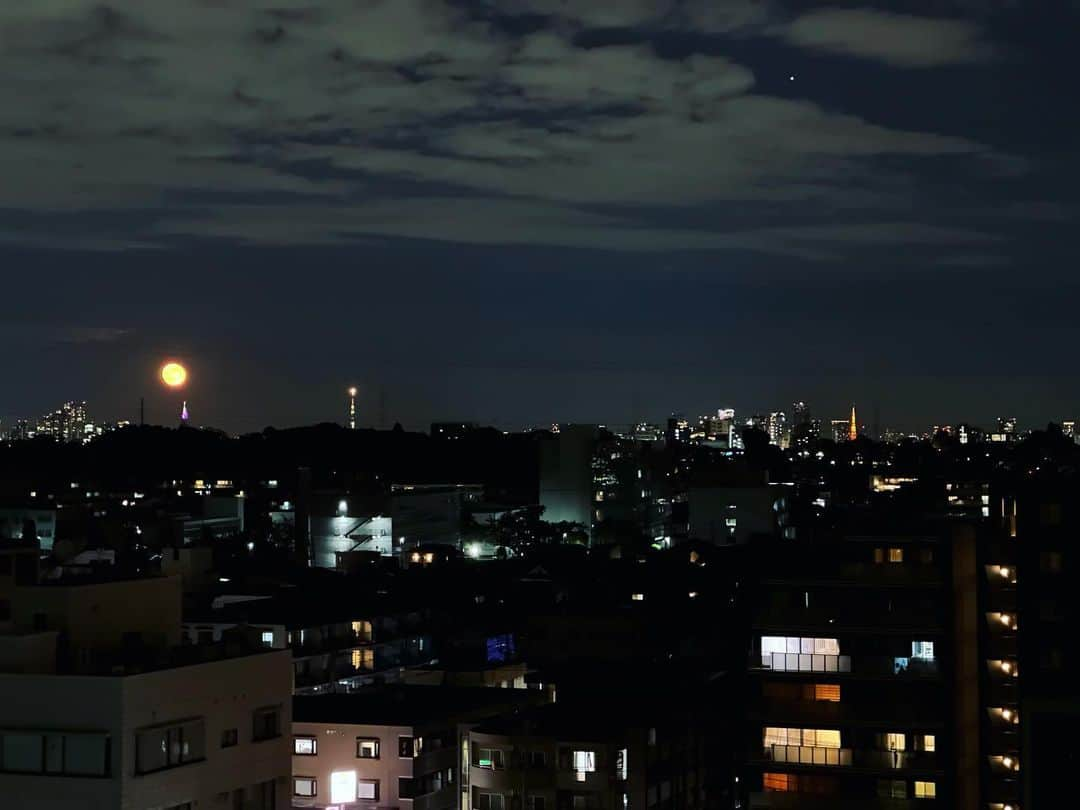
853,427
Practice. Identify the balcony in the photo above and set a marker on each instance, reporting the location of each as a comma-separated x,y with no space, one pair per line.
805,755
805,662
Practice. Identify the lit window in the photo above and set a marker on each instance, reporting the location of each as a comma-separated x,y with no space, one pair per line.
491,758
827,692
342,786
929,742
585,761
268,638
367,790
895,742
923,650
925,790
638,597
896,555
780,782
367,748
304,786
879,555
305,746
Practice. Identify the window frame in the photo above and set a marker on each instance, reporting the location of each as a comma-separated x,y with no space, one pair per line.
298,738
378,747
314,786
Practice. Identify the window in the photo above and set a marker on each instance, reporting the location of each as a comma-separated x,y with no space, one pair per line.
492,758
797,654
490,801
923,650
895,742
304,786
779,782
585,761
1050,562
268,638
230,737
367,748
170,746
406,748
305,746
805,737
879,555
621,763
342,787
896,555
367,790
266,724
70,754
534,802
892,789
926,790
828,692
929,742
405,787
537,759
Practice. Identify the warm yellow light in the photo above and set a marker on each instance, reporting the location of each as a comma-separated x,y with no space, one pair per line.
173,375
352,391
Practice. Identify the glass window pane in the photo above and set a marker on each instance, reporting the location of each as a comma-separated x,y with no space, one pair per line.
22,752
86,754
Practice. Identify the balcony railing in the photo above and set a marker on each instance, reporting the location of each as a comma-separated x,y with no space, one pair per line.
805,755
806,662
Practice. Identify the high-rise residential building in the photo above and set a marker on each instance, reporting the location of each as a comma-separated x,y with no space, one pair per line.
678,429
839,430
66,424
777,428
850,674
800,414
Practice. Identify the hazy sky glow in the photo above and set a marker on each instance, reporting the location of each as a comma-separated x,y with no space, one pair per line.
535,209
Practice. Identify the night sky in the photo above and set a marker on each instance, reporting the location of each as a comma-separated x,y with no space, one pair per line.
530,211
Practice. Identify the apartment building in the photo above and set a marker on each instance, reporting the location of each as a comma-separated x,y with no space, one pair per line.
102,712
396,746
851,677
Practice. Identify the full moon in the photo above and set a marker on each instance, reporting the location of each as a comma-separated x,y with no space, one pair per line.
173,375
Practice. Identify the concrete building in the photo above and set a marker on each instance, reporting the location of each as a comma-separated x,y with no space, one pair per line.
337,643
853,674
15,521
393,747
102,710
566,475
725,515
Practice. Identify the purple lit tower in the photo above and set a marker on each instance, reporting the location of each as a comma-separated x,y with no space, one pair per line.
184,415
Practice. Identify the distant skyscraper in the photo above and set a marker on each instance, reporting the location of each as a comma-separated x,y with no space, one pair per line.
678,429
800,414
853,428
67,424
352,408
777,429
839,430
184,415
1068,428
1006,424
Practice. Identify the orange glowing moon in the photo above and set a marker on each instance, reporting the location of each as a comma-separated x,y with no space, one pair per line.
173,375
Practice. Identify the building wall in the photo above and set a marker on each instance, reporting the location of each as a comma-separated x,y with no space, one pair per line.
99,615
566,483
724,515
336,752
223,694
